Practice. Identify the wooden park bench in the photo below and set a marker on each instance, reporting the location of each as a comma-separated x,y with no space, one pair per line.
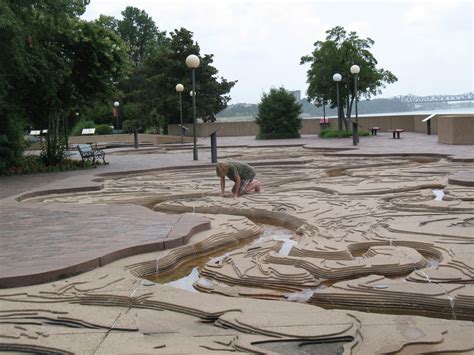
87,152
373,130
396,132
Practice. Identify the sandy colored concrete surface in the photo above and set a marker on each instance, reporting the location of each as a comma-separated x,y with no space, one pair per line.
375,263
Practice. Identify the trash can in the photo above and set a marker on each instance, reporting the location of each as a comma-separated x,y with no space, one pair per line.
323,123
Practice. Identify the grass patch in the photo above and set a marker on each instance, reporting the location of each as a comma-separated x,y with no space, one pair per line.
334,133
32,164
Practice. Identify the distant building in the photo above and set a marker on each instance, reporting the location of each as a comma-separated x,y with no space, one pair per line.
296,94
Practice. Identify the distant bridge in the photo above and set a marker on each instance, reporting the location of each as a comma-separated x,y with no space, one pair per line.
469,96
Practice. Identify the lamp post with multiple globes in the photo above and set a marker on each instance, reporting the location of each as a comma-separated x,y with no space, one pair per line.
355,70
192,62
337,78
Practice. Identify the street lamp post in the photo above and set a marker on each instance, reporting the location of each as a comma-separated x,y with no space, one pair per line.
355,70
192,62
337,78
179,90
116,105
324,110
325,123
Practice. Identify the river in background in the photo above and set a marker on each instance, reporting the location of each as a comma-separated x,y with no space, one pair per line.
457,110
445,111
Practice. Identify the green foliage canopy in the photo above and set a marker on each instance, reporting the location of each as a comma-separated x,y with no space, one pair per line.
162,71
337,54
140,32
51,62
279,115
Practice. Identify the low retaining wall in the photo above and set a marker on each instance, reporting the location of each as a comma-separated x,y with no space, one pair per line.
116,139
410,123
456,129
128,138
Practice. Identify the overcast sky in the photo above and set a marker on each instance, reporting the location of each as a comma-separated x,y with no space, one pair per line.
428,44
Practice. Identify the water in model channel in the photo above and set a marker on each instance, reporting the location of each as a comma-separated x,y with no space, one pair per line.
439,194
188,274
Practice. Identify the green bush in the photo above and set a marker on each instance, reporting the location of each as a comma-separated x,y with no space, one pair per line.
279,115
52,149
334,133
100,113
276,135
103,129
152,130
164,124
77,129
12,140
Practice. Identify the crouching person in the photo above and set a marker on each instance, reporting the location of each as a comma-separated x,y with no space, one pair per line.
243,176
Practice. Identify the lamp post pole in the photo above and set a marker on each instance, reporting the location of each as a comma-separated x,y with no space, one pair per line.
337,78
116,105
179,89
192,62
324,111
195,152
324,108
355,69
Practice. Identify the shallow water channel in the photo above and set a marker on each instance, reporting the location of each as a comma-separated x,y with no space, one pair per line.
188,274
439,194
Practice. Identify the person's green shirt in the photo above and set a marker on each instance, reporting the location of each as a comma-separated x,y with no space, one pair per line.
245,171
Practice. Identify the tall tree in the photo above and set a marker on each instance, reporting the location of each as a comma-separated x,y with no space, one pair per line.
109,22
337,54
13,68
143,39
139,31
74,66
167,67
29,67
52,60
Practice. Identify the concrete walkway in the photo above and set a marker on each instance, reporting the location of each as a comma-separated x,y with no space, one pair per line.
42,242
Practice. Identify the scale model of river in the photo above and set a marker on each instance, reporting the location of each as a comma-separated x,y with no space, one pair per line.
188,274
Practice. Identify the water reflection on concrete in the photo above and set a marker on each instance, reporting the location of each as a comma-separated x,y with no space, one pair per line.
269,233
186,283
439,194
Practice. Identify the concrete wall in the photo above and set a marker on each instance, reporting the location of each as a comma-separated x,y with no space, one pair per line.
111,139
239,129
410,123
422,126
127,138
456,129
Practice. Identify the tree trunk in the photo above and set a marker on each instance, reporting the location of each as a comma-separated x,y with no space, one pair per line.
343,118
339,118
349,108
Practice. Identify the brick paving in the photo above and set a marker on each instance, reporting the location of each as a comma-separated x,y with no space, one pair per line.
39,242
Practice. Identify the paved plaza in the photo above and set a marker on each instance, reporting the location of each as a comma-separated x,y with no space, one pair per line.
374,252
